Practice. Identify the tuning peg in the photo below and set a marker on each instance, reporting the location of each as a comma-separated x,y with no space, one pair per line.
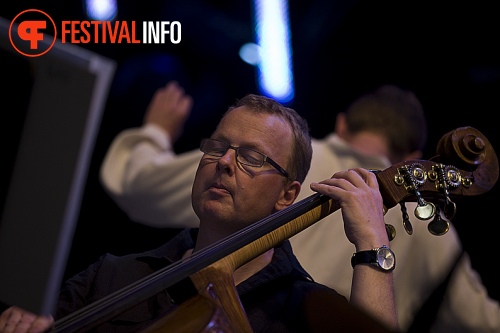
425,210
438,226
391,231
406,219
450,209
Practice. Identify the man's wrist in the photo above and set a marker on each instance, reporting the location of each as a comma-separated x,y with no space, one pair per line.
382,257
158,135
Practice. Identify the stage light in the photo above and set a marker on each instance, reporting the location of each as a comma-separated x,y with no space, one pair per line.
273,36
101,10
250,53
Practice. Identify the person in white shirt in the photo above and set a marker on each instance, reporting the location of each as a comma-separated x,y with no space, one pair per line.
150,182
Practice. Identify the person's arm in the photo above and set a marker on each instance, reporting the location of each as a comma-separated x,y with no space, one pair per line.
362,210
141,172
466,306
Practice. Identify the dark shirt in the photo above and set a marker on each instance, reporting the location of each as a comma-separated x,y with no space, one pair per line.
273,298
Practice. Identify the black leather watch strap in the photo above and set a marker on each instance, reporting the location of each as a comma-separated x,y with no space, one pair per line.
364,257
382,258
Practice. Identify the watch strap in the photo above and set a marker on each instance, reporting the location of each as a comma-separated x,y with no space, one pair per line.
364,257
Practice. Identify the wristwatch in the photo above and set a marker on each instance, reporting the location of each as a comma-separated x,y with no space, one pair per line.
382,257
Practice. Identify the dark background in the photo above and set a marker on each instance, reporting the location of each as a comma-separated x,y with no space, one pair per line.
447,54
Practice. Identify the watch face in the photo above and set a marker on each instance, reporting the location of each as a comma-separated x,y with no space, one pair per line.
385,258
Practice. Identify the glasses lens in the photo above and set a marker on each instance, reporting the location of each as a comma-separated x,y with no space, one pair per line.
214,147
250,157
244,156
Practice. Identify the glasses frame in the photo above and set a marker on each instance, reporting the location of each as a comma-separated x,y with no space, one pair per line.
236,149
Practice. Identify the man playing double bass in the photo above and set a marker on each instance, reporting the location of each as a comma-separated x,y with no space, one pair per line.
253,166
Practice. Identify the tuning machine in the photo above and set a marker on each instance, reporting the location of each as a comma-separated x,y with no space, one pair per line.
438,226
446,177
413,177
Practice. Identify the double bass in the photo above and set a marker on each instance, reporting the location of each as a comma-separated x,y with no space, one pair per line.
465,165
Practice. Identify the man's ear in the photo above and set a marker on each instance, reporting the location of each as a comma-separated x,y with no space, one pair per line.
341,125
288,195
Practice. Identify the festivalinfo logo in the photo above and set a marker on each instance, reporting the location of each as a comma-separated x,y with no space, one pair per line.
33,32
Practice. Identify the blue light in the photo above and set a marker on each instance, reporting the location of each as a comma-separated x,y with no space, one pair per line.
101,10
250,53
273,37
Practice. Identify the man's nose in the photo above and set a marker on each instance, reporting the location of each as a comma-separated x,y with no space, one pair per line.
229,158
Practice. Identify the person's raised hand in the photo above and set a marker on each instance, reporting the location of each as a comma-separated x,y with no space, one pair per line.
169,108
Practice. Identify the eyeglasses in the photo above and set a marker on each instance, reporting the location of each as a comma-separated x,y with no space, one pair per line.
245,156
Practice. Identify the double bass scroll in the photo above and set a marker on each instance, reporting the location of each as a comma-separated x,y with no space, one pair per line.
465,165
